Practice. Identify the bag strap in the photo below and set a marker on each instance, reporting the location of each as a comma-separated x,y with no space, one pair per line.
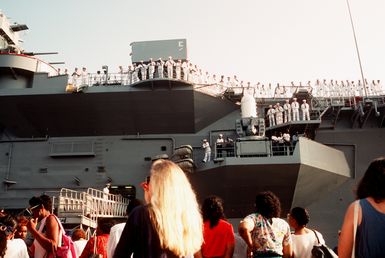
355,222
61,230
95,241
316,236
58,222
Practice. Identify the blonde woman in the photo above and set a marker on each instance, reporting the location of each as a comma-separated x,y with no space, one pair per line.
170,225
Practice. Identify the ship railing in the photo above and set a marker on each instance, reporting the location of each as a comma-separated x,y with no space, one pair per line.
107,205
91,204
73,203
217,88
270,148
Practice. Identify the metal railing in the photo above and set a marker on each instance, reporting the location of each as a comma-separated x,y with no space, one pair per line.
91,204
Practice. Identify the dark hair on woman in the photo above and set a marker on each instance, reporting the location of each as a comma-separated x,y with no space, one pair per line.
300,215
212,210
44,200
104,225
268,205
372,183
7,226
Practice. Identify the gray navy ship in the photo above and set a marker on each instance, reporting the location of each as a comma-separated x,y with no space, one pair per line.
58,131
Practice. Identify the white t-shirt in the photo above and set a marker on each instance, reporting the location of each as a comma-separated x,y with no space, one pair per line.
16,248
302,244
79,246
114,237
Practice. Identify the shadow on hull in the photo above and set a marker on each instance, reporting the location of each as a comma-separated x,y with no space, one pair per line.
155,107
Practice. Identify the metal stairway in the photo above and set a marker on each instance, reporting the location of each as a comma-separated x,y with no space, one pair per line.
85,207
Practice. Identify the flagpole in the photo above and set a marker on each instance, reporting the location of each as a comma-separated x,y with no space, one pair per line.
358,52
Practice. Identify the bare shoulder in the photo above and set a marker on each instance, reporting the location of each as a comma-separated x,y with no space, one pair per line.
51,221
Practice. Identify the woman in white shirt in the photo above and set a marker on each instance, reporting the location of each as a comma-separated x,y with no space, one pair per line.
303,238
10,247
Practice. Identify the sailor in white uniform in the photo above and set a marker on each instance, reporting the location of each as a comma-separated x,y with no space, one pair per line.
178,69
143,70
105,77
331,89
380,88
317,89
97,79
295,109
186,71
170,67
84,76
121,75
270,115
325,88
278,114
207,148
160,65
287,112
130,71
75,77
305,110
349,92
343,89
337,89
151,69
220,145
234,81
360,88
228,82
135,73
206,78
376,90
354,89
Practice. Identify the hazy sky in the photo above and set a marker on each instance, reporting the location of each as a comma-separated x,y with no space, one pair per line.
258,40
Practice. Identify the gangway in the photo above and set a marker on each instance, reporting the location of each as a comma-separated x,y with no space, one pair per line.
85,207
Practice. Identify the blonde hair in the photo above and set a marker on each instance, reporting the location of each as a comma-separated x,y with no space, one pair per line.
175,211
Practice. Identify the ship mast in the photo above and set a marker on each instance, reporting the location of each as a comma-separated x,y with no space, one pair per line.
358,52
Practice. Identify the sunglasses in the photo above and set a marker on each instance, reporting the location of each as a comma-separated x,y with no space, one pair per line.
32,208
28,212
146,183
6,229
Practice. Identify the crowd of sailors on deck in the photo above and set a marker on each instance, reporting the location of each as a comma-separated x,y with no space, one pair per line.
171,223
215,85
288,112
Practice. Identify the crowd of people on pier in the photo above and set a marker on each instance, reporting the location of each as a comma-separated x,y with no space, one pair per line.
217,84
171,223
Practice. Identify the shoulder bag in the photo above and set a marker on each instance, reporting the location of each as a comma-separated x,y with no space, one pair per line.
321,250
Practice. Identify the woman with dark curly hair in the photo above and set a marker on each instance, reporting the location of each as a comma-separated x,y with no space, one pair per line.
370,234
303,238
265,234
218,234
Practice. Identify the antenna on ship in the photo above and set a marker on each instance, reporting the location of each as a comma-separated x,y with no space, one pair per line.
40,53
358,52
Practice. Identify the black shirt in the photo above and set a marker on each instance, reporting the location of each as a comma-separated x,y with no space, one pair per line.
139,237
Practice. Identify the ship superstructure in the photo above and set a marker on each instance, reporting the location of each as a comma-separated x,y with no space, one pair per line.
57,132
